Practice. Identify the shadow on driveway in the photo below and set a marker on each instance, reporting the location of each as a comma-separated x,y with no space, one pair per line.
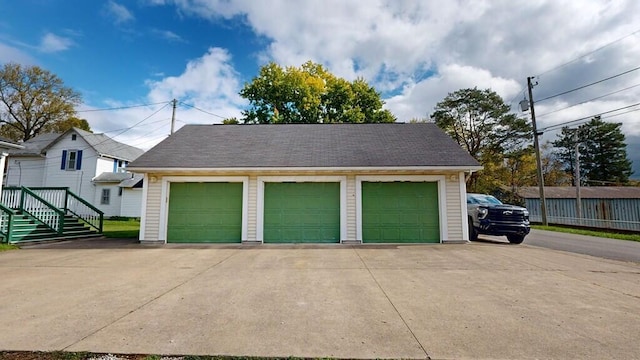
92,243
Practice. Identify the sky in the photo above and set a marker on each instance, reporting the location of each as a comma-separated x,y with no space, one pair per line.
134,56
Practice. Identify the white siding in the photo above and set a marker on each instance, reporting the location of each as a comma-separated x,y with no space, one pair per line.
252,212
103,165
455,222
25,171
111,209
131,202
351,208
152,216
78,181
452,212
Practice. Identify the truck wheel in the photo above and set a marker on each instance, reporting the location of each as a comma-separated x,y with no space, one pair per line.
515,239
473,234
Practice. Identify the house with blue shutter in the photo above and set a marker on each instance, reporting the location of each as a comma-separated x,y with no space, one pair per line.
92,166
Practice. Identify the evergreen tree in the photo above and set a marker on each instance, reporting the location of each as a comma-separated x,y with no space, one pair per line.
603,152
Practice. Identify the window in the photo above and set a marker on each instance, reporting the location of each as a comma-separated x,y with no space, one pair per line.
106,196
71,160
119,191
74,137
119,165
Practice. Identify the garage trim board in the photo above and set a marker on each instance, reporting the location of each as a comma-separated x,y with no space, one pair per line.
296,179
164,206
442,203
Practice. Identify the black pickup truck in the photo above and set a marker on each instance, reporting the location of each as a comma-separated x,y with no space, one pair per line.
487,215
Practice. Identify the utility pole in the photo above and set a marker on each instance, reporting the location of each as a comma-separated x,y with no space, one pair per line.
577,179
173,115
536,145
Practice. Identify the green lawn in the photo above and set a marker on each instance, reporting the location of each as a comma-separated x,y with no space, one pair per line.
603,234
121,228
5,247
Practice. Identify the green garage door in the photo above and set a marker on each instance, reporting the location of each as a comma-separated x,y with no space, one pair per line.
301,212
400,212
205,212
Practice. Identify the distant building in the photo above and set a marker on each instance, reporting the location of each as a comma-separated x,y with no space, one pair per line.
92,166
609,207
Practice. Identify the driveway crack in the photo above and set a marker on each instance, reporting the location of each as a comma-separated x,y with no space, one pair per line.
392,304
150,301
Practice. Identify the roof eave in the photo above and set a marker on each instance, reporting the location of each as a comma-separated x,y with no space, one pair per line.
309,168
8,145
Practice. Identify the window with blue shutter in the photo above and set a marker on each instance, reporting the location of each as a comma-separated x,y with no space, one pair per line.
71,160
64,160
79,160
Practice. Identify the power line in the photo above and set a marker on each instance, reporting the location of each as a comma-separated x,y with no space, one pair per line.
587,85
121,146
589,53
574,60
121,107
204,111
551,127
586,101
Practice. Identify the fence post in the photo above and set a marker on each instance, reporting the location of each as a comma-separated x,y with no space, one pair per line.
66,200
9,228
22,198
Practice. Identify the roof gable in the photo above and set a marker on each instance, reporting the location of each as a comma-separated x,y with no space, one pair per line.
102,144
306,145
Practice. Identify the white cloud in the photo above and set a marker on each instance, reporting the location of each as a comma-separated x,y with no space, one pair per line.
119,13
207,91
418,100
51,42
421,50
169,35
11,54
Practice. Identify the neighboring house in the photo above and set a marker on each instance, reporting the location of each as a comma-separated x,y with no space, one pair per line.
609,207
74,159
119,193
5,146
320,183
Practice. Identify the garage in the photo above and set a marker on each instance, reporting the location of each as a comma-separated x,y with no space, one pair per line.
400,212
301,212
201,212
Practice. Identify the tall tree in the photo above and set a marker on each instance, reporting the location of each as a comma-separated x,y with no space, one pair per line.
11,132
481,123
32,99
310,94
603,152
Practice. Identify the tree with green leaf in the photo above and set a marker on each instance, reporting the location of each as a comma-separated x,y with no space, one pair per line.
482,124
603,152
310,94
33,101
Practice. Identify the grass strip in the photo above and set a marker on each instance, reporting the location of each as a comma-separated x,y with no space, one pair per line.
590,232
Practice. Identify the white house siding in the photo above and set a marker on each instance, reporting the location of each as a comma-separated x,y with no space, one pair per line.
455,221
25,171
351,207
131,202
252,211
103,165
78,181
452,213
113,208
151,217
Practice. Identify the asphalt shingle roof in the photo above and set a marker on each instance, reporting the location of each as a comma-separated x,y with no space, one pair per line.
34,147
586,192
105,145
306,145
101,143
112,177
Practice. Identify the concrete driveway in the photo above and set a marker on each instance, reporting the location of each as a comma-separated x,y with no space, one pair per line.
477,300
